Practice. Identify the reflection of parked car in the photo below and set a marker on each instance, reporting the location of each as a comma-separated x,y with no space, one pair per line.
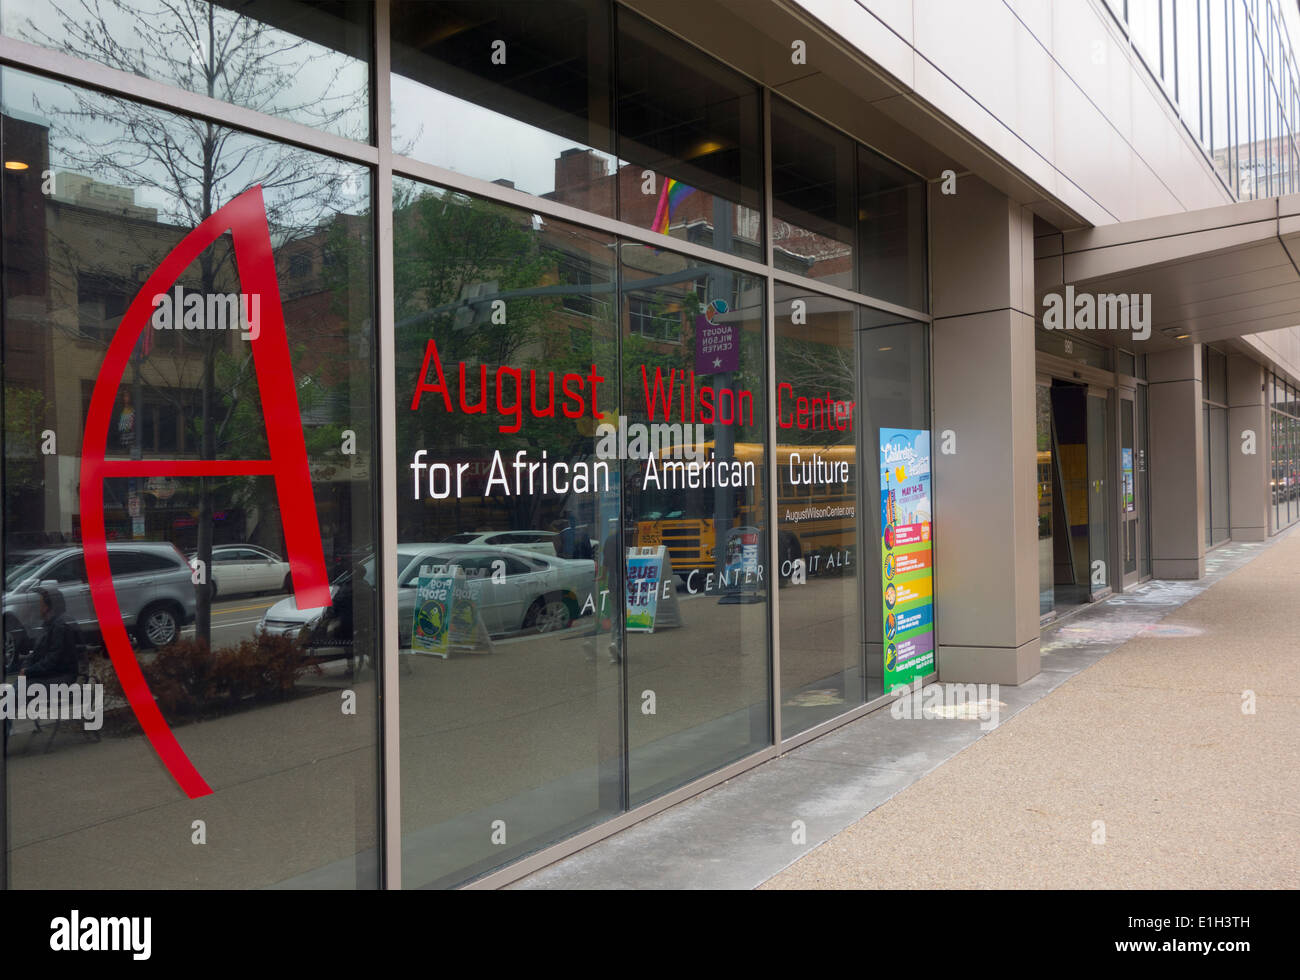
514,589
151,581
246,568
542,542
286,619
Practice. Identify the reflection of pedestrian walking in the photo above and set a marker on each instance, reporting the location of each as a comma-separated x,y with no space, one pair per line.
582,543
613,599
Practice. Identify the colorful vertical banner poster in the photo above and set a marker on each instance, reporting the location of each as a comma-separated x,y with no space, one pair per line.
643,566
906,577
1126,459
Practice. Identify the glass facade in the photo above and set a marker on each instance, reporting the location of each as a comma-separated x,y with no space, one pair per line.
1284,440
189,427
544,257
1229,69
1214,374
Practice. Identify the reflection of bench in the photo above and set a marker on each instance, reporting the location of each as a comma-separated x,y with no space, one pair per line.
327,642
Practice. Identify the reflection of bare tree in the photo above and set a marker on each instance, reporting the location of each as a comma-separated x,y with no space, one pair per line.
814,369
194,167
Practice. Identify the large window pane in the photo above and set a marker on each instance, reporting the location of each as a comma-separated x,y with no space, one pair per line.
1262,95
1222,104
508,532
693,390
812,197
1218,447
1144,27
689,136
1167,58
894,388
1244,119
305,62
261,365
816,504
1189,82
515,93
891,232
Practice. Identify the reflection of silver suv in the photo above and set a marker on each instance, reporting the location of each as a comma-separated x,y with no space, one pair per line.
151,579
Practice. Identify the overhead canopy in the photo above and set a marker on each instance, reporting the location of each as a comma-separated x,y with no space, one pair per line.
1213,275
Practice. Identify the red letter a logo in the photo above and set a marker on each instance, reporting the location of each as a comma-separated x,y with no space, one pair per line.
245,217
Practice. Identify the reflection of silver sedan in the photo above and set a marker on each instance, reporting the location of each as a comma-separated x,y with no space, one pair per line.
514,590
542,542
286,619
240,568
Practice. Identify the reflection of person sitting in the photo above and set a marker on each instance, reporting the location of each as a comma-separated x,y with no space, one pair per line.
55,652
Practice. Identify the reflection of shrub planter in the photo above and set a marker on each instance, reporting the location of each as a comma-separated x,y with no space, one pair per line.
189,681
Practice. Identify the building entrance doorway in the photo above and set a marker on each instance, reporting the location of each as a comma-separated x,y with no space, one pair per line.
1073,495
1134,534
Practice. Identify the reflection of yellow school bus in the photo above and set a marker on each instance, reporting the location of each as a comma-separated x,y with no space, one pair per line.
816,512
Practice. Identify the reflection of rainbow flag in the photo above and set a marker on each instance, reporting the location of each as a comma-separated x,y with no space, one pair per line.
673,194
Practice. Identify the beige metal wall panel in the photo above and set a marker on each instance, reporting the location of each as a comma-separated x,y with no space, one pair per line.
986,568
1248,473
868,34
979,257
1037,16
1092,52
895,14
1051,90
982,359
1177,486
1278,348
990,54
989,665
1092,154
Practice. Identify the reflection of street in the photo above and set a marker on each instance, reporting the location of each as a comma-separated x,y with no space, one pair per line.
235,619
520,734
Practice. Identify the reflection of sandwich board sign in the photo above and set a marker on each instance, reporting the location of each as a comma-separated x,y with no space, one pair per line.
741,566
642,589
651,591
670,613
250,237
446,618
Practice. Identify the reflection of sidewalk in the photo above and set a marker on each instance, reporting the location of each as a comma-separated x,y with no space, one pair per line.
1133,734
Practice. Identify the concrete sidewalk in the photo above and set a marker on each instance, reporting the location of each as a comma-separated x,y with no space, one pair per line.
1127,763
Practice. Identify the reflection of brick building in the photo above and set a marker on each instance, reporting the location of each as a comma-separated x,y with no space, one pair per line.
583,180
64,304
29,364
